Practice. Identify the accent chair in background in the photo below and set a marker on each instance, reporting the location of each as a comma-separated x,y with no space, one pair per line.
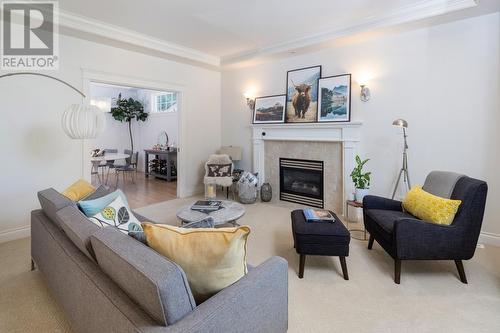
219,171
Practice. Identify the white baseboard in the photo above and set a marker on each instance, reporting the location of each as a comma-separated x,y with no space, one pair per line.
15,233
489,238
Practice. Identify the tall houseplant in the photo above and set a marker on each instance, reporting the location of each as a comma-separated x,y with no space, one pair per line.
361,180
128,110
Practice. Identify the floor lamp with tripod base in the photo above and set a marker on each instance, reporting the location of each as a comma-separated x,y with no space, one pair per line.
404,168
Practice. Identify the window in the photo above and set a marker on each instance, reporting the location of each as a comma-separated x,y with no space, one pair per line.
165,102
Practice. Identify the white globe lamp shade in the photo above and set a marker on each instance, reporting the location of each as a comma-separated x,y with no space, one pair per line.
83,121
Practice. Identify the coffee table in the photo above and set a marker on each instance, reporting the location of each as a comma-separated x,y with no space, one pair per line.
230,212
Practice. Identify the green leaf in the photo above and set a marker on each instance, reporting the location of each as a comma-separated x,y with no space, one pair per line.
109,213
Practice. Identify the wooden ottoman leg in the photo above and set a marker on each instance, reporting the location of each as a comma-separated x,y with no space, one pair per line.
301,265
344,268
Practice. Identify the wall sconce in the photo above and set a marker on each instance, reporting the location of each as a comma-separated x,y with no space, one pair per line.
365,93
250,100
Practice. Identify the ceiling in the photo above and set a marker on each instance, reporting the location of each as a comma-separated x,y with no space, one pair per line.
228,29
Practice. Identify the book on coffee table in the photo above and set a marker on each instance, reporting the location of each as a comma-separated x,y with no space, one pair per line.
207,205
318,215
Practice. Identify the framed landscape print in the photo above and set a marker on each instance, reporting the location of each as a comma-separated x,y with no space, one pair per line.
269,109
302,94
334,98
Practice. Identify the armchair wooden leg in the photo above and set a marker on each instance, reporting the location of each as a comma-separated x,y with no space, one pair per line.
301,265
33,267
461,271
344,268
397,271
370,242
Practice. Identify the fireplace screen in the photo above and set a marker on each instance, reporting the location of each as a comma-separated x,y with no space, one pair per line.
301,181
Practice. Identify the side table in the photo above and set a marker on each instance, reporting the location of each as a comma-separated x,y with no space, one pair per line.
355,204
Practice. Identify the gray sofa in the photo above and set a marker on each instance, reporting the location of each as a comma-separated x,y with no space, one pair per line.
106,281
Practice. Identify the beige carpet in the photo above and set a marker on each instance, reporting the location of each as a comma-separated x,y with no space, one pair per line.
430,298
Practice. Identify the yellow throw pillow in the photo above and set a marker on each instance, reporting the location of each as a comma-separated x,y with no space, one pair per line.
212,259
431,208
78,190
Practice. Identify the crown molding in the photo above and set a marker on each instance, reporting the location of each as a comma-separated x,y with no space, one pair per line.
418,11
102,29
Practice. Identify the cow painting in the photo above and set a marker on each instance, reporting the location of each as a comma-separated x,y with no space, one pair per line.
301,100
302,95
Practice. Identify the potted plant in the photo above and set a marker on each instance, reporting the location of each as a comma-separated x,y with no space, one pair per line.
127,110
361,180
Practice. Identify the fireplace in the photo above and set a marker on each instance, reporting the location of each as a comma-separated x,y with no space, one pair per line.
301,181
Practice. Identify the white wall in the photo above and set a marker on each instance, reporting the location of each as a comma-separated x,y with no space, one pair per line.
443,79
37,154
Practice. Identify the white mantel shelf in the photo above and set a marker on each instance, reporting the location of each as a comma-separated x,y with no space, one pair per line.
348,134
321,132
309,125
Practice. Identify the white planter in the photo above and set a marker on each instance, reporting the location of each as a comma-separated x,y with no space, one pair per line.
360,194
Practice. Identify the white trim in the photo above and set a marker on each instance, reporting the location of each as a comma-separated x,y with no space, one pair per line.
489,238
417,11
106,30
145,83
15,233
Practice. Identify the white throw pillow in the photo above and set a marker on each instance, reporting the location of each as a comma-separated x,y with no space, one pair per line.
117,214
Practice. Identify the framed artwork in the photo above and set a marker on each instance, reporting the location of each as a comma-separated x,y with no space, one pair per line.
302,95
269,109
334,96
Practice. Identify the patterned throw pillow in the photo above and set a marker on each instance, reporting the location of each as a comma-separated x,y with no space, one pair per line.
429,207
117,214
219,170
94,206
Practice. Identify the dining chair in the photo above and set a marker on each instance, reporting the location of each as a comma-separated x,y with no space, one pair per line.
108,164
130,166
95,170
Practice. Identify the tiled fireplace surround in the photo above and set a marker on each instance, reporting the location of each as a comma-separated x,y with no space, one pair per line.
333,143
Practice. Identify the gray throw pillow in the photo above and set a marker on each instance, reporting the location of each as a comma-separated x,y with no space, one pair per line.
205,223
101,191
139,235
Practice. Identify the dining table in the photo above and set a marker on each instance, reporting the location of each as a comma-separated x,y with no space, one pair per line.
97,161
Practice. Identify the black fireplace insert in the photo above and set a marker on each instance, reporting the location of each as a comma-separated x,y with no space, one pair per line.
301,181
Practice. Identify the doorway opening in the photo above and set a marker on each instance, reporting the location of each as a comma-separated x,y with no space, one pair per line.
139,157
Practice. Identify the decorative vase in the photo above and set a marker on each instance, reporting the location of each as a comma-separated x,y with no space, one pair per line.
266,192
360,194
210,191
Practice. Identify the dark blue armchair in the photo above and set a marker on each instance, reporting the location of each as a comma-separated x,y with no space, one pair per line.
405,237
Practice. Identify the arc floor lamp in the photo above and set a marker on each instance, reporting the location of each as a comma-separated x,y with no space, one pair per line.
79,121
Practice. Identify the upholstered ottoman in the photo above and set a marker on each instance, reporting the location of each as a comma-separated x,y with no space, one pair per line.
320,239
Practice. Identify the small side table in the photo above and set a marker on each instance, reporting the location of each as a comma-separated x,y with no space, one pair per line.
355,204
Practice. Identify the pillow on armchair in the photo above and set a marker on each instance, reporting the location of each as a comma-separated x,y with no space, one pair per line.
219,170
429,207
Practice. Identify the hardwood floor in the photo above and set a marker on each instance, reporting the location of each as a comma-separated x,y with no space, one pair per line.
143,191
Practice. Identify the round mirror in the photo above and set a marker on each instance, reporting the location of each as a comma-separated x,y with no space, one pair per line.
163,139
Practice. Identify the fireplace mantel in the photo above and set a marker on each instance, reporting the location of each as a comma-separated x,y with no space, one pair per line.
348,134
